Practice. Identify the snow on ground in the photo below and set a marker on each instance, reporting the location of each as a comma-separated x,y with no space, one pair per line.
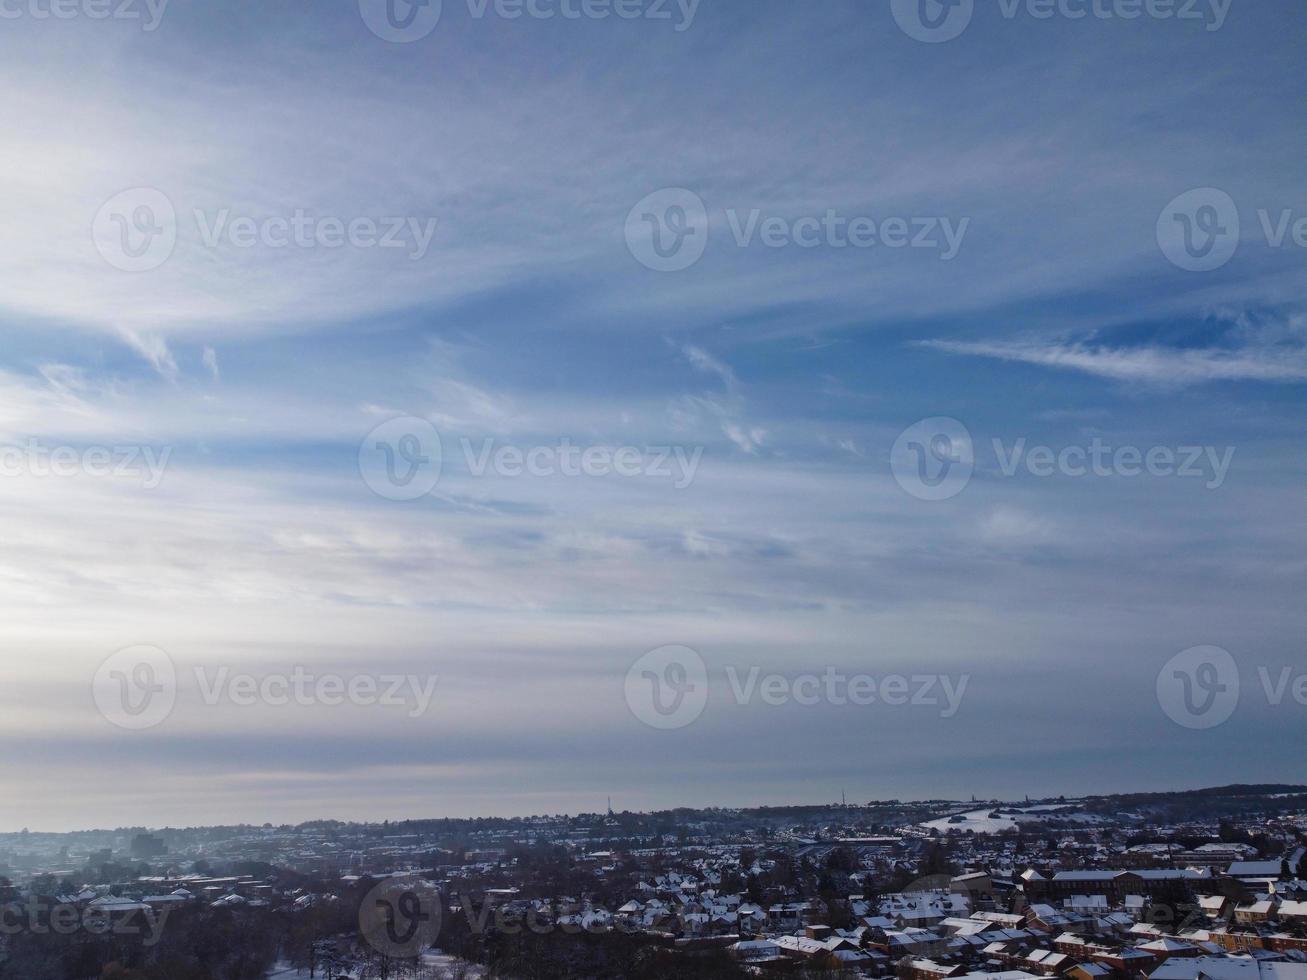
444,964
977,821
1004,818
440,964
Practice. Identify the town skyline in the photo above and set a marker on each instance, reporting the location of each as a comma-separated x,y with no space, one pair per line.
609,809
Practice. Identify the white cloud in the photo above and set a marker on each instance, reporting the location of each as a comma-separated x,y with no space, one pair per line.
1152,365
530,596
210,359
352,135
749,440
707,363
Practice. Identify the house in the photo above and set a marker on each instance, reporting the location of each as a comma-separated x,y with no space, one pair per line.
1071,944
1127,962
1293,912
978,885
1214,906
1255,870
929,970
799,947
756,951
1042,916
1114,885
1227,968
1165,948
907,942
752,918
1256,912
1087,904
1089,971
1047,962
787,918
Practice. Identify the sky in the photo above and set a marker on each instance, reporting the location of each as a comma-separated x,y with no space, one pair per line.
601,399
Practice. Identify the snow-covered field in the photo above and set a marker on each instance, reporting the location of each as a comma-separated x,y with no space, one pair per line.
444,965
977,821
980,821
440,965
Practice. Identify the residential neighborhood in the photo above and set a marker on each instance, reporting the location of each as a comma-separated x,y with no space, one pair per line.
1085,889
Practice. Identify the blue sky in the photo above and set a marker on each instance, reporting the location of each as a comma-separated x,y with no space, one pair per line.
1050,146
